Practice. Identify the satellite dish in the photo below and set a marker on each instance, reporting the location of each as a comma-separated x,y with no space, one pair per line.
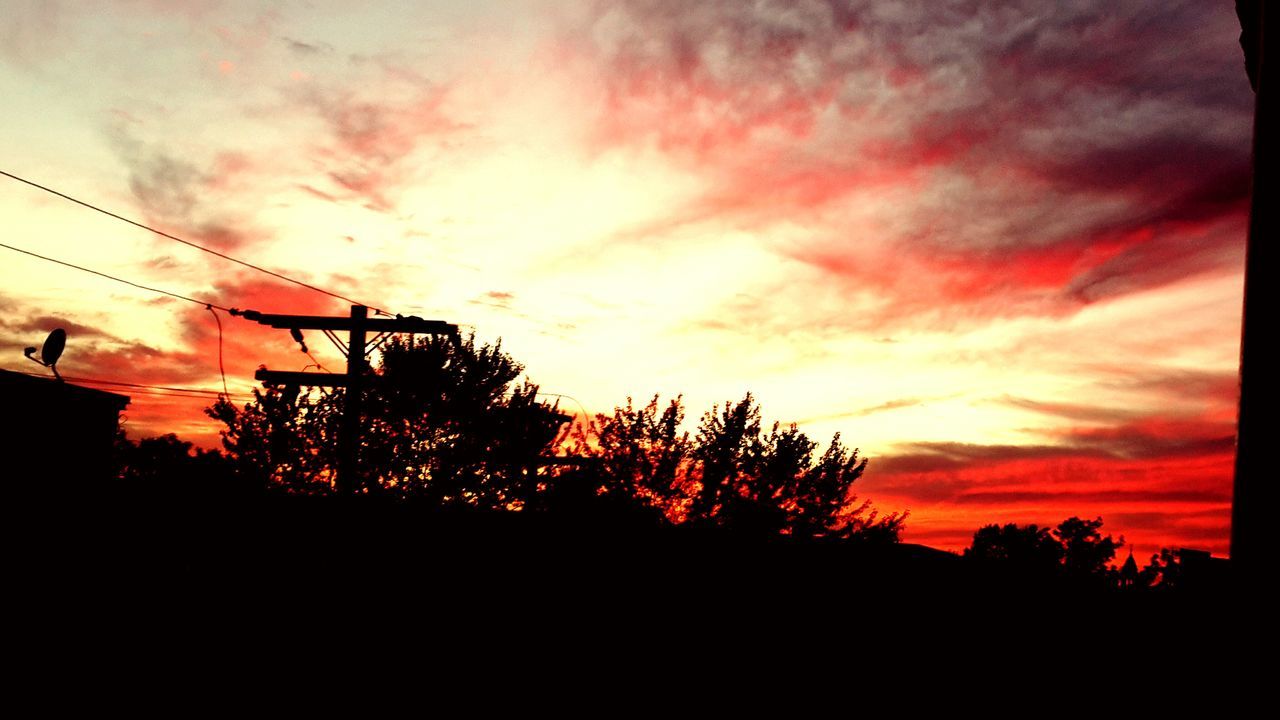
52,350
53,347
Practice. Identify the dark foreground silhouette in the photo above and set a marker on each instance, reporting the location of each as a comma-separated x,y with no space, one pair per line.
218,572
576,554
737,535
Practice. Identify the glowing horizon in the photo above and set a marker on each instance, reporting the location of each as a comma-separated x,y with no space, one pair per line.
999,249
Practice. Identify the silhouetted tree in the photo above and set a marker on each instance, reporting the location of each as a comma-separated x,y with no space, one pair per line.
165,466
1027,550
641,453
1086,554
724,451
1164,572
1075,550
447,421
732,474
443,420
284,440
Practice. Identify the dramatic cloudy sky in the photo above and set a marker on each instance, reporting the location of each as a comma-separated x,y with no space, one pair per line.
997,245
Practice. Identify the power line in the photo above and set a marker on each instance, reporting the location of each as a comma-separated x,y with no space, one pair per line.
210,306
113,277
202,391
205,397
136,392
315,362
377,310
188,243
98,381
207,305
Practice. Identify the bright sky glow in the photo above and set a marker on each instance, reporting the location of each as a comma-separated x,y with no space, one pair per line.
998,249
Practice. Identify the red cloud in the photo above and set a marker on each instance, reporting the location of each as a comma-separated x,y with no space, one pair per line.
199,202
1145,478
1078,186
244,347
371,136
194,361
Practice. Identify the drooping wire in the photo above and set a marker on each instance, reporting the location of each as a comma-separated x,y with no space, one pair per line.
221,370
315,362
113,277
188,243
585,416
210,306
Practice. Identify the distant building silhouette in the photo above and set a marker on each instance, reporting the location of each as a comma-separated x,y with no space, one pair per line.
1129,572
1203,573
59,437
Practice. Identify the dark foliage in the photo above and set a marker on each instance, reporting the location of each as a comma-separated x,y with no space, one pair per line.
1086,554
443,421
1027,549
448,424
637,455
1164,572
1074,551
167,467
732,475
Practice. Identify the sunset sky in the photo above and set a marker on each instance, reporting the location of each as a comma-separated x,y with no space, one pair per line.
998,246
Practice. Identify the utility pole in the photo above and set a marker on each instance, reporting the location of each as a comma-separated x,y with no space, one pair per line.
357,326
349,478
1252,538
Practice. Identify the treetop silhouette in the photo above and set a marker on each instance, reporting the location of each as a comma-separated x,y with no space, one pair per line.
449,423
1075,550
442,420
732,474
